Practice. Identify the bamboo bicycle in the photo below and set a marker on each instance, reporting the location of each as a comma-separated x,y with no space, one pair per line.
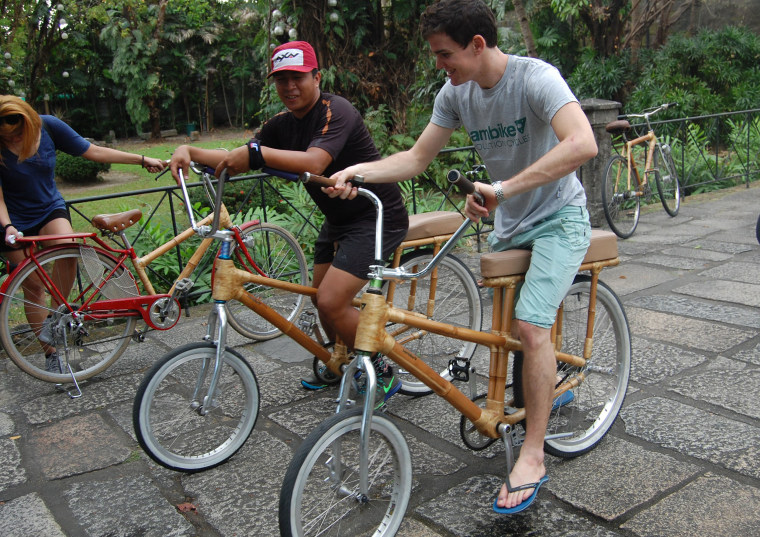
622,191
352,475
193,410
92,325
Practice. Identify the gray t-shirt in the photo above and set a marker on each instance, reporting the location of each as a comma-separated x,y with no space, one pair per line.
510,127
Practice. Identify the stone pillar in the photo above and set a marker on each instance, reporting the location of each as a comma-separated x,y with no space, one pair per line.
599,113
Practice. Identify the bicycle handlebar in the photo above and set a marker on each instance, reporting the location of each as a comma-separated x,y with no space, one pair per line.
455,177
653,111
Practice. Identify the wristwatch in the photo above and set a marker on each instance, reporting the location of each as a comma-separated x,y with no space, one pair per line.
498,192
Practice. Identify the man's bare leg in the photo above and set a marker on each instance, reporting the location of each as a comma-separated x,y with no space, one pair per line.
538,373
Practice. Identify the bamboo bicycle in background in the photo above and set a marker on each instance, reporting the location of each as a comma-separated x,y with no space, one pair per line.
92,324
194,408
352,475
623,186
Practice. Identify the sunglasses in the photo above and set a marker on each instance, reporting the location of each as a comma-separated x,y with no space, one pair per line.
10,119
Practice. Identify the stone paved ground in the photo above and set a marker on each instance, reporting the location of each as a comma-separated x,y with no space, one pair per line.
682,460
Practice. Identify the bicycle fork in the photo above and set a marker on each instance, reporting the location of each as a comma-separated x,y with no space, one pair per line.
203,403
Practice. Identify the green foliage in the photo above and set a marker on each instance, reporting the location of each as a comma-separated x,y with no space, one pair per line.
602,78
78,170
712,72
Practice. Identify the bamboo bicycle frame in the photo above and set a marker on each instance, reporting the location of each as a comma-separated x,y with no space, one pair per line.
629,145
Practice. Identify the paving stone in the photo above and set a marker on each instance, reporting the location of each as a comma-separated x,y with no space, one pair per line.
27,515
734,271
750,355
726,383
697,252
697,433
685,331
11,471
476,495
607,480
241,497
6,424
681,305
673,261
718,246
123,507
652,361
726,291
76,445
98,393
711,505
626,279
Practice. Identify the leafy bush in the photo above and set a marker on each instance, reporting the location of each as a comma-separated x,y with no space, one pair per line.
78,170
710,73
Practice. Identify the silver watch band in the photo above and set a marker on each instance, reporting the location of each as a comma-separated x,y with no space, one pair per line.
497,190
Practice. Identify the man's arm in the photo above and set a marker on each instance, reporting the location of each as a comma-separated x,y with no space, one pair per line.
576,145
313,160
397,167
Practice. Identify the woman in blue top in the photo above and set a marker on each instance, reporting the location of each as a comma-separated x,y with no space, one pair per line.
30,203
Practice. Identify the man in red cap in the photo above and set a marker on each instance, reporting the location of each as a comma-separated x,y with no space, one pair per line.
321,133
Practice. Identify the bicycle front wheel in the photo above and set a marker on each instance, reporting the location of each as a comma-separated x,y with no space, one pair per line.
622,206
87,344
321,493
278,255
450,295
167,415
666,179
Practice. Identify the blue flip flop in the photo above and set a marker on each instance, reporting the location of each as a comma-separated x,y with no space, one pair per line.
563,399
525,504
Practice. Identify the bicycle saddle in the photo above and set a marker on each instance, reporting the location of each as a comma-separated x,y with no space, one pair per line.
118,221
618,126
511,262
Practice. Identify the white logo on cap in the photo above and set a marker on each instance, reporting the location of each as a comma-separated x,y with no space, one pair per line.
288,57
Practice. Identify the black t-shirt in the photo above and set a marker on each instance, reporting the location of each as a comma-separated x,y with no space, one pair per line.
335,126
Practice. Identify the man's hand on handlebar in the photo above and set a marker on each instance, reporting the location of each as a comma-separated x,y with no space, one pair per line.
180,161
343,188
235,161
473,210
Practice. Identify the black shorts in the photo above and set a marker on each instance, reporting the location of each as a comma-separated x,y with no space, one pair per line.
352,247
35,230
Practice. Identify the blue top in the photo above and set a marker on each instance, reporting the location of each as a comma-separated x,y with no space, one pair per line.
29,187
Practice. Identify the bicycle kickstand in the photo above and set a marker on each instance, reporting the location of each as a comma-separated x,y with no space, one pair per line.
71,373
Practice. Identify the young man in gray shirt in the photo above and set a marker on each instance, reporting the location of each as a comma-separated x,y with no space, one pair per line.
532,135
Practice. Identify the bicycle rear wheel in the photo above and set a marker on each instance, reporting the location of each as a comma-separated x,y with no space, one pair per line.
86,344
166,414
320,493
621,206
666,179
278,255
577,426
453,298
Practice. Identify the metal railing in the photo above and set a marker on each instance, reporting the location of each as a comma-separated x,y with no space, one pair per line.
712,149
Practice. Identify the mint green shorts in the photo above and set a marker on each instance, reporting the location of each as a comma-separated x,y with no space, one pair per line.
558,244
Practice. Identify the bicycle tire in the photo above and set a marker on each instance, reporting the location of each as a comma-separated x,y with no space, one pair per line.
622,207
757,229
167,424
666,179
457,302
599,396
320,487
91,348
278,254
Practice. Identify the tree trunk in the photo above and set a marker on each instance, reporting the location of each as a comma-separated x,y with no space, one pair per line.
522,18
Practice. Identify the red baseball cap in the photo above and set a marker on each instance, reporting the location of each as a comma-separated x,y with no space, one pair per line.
294,56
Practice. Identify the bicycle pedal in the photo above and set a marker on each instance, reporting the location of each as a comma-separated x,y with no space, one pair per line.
306,322
183,286
460,369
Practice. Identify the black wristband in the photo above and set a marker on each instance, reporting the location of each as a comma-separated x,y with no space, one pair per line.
5,229
255,158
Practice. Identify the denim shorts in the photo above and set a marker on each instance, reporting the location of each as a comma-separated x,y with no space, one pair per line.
558,244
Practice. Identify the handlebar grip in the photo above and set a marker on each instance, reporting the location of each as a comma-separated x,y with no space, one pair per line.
307,177
455,177
12,238
668,105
